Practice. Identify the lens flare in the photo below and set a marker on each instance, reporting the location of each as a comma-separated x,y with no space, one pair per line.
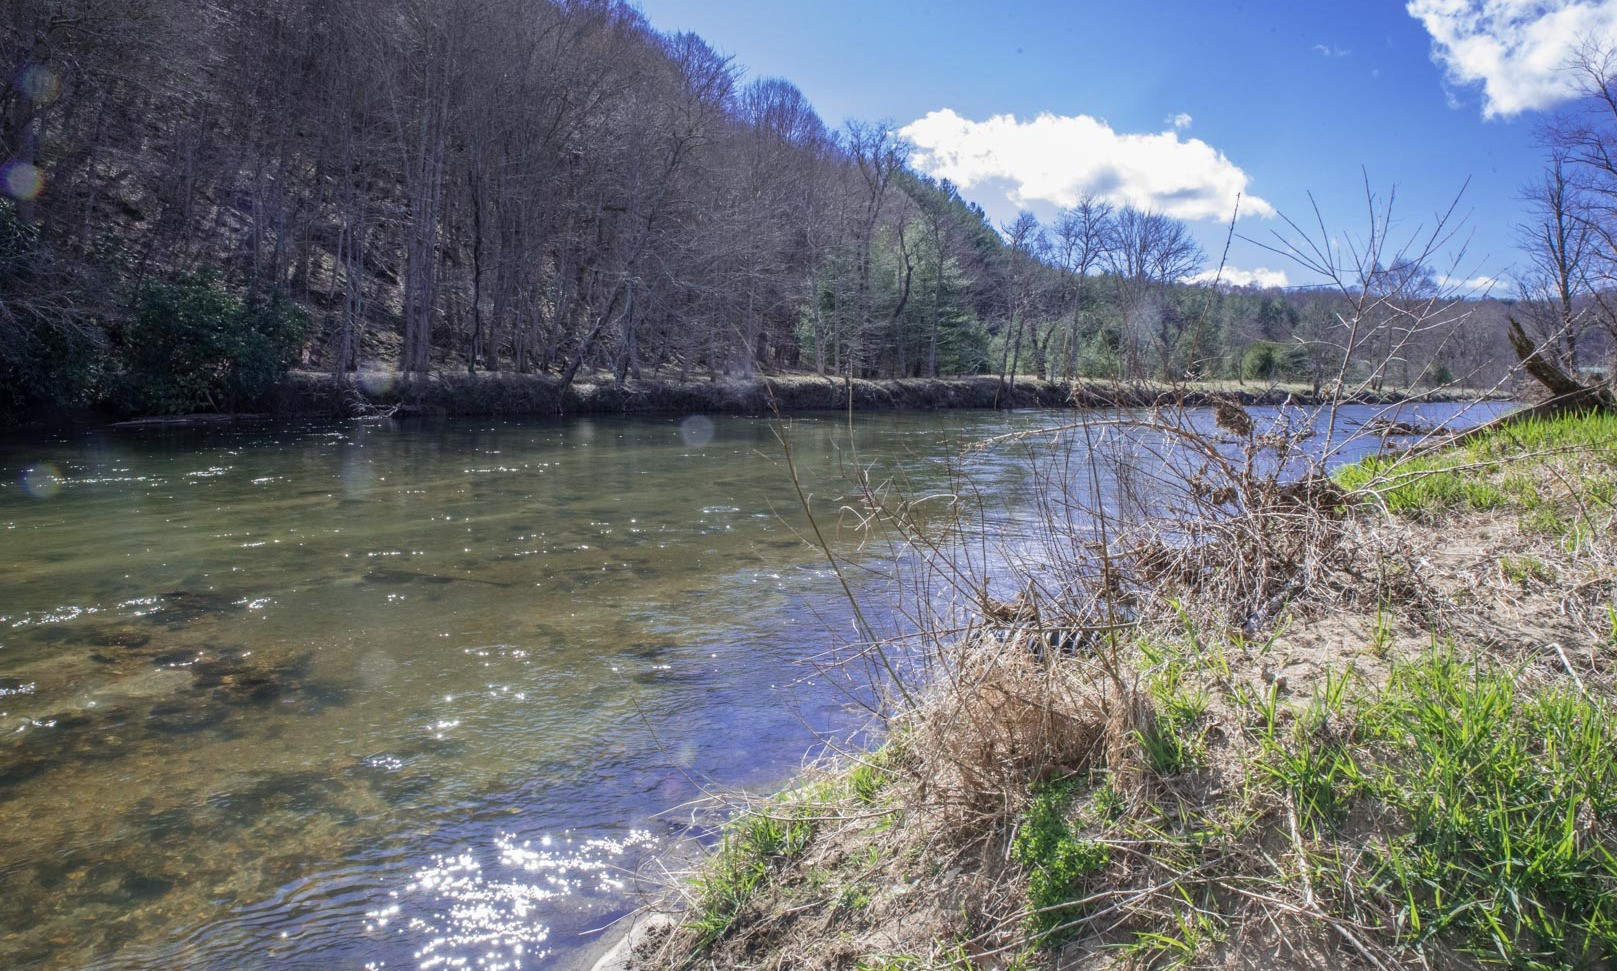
22,181
375,383
696,431
42,481
358,475
40,84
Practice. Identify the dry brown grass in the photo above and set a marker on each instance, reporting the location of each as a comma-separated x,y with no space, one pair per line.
1003,718
1162,662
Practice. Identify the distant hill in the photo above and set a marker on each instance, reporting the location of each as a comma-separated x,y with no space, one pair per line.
541,187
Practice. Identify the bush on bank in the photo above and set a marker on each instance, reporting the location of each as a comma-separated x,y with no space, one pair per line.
1436,795
193,345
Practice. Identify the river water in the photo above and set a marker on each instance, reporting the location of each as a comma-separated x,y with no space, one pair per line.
412,695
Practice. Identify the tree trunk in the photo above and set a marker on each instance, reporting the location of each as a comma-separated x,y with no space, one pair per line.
1567,393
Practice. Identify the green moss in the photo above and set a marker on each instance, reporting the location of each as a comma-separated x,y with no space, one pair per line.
1057,860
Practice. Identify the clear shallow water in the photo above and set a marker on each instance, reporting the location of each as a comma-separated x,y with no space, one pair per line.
394,695
408,695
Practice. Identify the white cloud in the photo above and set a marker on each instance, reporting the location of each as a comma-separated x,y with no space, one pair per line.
1516,49
1054,159
1259,277
1326,50
1476,286
1180,121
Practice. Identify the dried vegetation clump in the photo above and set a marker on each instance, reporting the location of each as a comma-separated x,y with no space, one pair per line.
1215,707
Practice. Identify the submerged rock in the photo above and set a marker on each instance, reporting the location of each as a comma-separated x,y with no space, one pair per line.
178,608
120,636
235,676
178,659
59,740
184,717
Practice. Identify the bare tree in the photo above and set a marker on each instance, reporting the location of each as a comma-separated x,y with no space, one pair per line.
877,155
1556,302
1148,251
552,185
1026,247
1391,301
1573,241
1084,234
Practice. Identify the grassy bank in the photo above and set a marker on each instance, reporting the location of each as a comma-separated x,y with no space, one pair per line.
1370,723
457,393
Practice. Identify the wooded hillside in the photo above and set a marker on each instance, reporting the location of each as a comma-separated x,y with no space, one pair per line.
531,185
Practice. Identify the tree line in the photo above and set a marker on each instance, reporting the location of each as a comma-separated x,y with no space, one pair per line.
554,186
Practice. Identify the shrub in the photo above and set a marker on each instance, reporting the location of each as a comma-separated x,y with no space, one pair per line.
1269,361
192,345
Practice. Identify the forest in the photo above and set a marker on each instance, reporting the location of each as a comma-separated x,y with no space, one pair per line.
199,197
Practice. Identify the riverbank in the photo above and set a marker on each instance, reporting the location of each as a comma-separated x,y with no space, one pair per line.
1370,722
456,393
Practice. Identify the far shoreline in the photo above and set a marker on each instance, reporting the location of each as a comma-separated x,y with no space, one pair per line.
504,393
378,393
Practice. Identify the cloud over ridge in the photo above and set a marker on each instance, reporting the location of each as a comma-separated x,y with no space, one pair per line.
1262,277
1054,159
1516,49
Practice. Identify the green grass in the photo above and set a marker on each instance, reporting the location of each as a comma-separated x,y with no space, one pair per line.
1313,762
1574,456
756,843
1179,944
750,846
1590,431
873,772
1524,571
1176,738
1492,806
954,958
1510,796
1457,808
1411,486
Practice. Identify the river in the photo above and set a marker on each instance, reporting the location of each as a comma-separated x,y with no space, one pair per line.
412,695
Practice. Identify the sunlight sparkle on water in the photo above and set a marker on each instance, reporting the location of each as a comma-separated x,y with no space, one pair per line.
471,919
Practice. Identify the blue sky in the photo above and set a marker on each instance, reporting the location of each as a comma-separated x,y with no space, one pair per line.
1179,105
